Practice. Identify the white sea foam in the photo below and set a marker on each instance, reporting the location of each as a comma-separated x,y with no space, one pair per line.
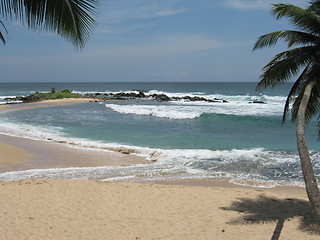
29,131
4,97
184,109
237,105
163,111
240,166
190,110
3,101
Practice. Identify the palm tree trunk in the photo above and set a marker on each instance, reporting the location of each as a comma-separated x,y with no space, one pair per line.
306,165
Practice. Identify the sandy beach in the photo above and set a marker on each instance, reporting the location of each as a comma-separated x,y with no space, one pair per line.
66,209
74,209
45,103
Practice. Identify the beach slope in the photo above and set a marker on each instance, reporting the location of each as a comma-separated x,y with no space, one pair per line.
69,209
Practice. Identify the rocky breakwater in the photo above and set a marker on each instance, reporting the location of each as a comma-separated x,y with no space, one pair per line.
142,94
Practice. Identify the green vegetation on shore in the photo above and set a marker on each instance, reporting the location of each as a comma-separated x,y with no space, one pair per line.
57,95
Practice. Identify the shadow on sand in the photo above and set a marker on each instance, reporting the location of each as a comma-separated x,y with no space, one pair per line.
266,209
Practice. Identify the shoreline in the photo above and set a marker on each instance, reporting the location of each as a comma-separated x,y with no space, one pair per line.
186,209
40,154
48,154
44,154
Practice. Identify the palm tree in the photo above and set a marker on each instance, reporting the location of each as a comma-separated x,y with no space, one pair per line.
71,19
301,60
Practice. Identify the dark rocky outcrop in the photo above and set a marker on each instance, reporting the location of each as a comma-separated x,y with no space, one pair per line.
161,97
157,97
30,98
258,101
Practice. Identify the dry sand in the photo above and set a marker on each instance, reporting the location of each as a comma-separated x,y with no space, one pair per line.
66,209
45,103
69,209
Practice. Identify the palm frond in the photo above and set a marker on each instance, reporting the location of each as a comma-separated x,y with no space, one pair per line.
10,9
315,6
2,38
306,19
291,37
71,19
286,65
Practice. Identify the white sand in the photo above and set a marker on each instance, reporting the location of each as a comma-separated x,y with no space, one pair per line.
66,209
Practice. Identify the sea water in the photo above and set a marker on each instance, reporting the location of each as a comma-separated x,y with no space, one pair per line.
238,141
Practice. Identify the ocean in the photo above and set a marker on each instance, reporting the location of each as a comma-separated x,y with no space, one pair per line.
237,140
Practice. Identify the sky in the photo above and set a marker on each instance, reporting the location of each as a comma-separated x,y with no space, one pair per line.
151,41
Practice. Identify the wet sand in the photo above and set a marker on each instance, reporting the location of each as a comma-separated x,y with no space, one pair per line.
48,154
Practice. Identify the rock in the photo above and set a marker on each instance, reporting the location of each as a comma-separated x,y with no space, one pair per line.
161,97
141,94
124,150
196,98
176,98
258,101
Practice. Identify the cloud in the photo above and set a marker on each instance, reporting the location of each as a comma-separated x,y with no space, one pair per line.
257,4
122,29
120,11
248,4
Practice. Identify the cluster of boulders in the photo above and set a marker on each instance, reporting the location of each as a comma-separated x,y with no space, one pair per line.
142,94
27,99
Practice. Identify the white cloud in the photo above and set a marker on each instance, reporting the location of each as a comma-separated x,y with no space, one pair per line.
120,11
119,29
248,4
258,4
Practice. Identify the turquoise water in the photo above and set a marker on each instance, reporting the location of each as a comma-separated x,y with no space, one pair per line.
238,141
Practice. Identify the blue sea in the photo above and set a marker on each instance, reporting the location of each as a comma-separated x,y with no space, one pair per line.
238,141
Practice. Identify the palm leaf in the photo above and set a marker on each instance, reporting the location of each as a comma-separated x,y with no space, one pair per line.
286,65
304,18
291,37
72,19
2,38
